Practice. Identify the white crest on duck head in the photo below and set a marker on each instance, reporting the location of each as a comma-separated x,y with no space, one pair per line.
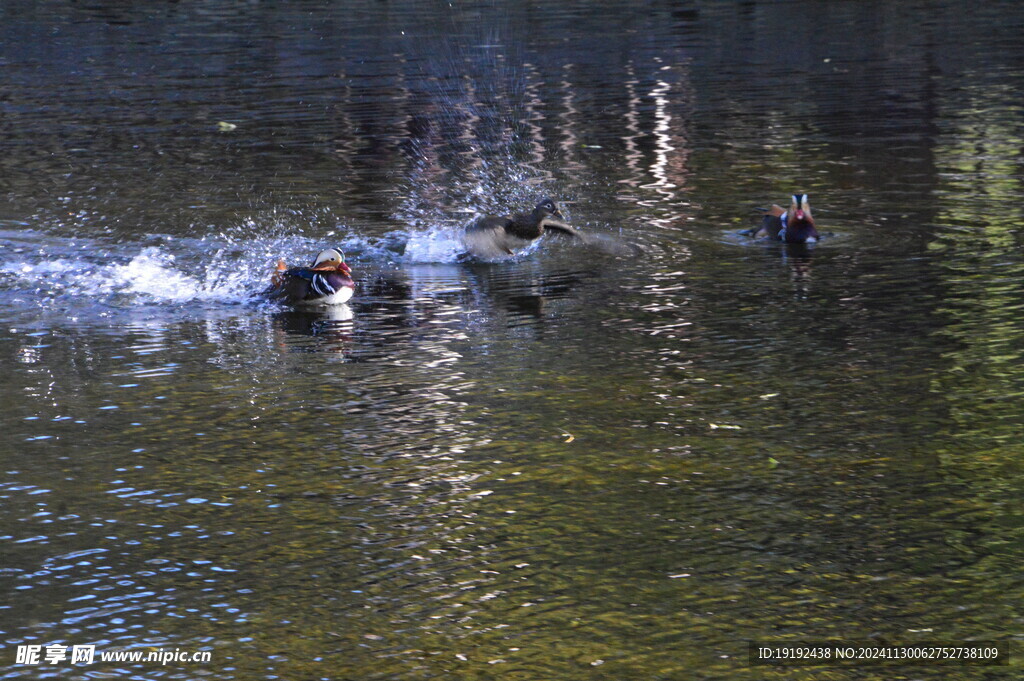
801,203
329,255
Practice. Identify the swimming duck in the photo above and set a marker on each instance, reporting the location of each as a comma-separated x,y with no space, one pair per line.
793,226
492,236
328,281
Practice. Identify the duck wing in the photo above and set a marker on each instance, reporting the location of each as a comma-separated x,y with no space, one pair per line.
490,237
287,288
555,225
317,284
775,211
489,223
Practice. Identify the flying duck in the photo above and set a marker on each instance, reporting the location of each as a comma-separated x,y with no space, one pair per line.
328,281
793,226
493,237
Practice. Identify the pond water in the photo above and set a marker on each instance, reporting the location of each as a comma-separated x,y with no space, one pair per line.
620,460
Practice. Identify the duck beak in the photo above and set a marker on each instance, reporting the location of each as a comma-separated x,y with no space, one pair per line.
345,268
558,214
799,214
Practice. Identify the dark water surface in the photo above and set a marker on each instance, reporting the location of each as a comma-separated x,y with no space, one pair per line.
620,461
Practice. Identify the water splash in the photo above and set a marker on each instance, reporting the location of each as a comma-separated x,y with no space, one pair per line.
156,270
228,268
438,244
152,275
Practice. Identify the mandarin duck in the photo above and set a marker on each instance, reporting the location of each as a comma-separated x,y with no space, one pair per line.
328,281
793,226
491,236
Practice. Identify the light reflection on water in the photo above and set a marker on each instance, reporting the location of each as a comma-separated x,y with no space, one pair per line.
629,456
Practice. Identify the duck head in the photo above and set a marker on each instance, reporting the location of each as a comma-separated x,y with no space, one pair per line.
800,209
800,226
547,208
331,259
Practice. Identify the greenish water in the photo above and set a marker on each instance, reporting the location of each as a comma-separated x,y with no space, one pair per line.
621,461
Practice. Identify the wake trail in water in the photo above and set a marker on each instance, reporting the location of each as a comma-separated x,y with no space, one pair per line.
161,269
37,268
